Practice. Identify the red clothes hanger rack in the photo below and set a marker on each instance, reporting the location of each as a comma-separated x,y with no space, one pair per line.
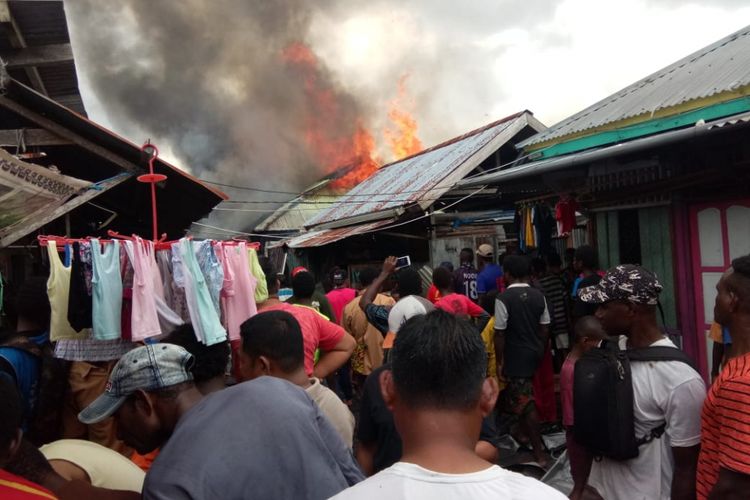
151,178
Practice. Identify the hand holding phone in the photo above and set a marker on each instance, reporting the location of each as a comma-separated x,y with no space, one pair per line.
403,262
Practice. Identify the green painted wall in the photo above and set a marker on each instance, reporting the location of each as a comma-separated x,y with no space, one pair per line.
656,253
608,239
649,127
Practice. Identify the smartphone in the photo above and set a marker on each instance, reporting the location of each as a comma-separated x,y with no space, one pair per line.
403,262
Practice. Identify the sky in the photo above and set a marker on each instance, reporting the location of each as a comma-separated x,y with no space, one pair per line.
204,80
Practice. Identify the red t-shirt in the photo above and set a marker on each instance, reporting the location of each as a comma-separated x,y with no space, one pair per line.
13,487
725,426
339,298
317,331
459,304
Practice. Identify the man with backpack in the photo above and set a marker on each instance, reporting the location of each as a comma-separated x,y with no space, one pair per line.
659,456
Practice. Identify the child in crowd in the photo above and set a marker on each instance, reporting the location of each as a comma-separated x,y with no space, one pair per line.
588,334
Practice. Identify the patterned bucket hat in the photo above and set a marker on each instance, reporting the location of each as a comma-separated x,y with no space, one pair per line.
624,282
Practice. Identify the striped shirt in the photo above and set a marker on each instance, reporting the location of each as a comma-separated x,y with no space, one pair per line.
725,439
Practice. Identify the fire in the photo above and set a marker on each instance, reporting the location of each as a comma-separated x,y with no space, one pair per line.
402,135
334,138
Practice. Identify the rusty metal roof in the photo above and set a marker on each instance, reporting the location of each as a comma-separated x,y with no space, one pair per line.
723,66
424,177
28,26
326,236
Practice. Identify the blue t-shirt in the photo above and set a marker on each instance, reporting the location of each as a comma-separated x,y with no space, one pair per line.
488,277
24,368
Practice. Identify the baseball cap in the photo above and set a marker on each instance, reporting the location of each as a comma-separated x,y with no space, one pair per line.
298,269
624,282
485,250
148,368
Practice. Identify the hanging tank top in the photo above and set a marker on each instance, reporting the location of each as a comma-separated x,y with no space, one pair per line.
205,319
144,319
58,291
238,293
106,290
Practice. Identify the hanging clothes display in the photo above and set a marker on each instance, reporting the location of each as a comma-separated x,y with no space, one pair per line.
529,234
106,290
544,226
203,315
133,287
240,288
80,302
58,291
144,320
565,214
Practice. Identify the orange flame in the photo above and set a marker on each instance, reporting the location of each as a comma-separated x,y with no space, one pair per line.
402,135
326,137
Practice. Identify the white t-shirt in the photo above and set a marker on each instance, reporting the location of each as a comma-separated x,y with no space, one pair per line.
410,481
406,308
106,468
668,391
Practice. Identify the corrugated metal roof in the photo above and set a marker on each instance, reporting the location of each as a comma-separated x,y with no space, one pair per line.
327,236
424,177
732,120
291,216
721,67
43,23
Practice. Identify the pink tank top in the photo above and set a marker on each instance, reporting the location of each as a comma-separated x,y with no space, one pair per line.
238,292
144,319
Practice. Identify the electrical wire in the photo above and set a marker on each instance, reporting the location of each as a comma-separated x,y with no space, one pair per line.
238,232
341,201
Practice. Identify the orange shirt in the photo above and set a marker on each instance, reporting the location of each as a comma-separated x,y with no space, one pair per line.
725,424
13,487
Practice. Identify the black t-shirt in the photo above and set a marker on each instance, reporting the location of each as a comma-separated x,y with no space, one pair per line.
581,308
376,424
524,308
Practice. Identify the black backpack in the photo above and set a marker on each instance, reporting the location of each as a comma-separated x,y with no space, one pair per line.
603,399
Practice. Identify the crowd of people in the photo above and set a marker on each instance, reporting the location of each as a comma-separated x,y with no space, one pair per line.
386,389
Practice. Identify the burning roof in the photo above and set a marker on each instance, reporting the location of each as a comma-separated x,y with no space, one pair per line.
424,177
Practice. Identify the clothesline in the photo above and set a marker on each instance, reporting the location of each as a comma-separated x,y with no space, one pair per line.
130,290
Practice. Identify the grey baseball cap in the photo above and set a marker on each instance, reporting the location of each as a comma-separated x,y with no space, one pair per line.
148,368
